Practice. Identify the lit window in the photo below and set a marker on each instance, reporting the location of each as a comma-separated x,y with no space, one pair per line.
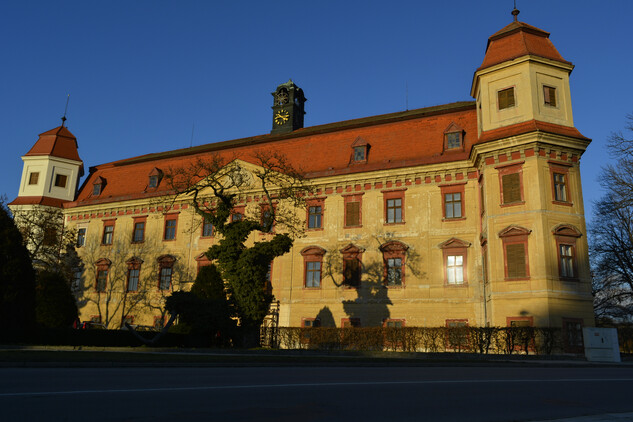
549,95
560,187
139,232
455,269
207,228
505,98
60,180
81,237
33,178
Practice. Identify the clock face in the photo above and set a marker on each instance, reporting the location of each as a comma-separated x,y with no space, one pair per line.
281,117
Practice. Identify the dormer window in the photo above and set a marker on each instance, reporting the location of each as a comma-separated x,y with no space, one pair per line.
97,186
154,178
453,138
360,148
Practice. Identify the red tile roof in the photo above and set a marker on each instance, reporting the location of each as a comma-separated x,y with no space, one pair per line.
38,200
516,40
530,126
395,140
58,142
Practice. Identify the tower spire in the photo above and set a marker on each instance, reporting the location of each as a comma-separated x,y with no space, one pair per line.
515,12
65,111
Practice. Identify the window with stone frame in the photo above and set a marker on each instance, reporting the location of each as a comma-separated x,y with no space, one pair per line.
207,228
171,224
559,172
133,273
394,206
312,266
455,258
237,213
394,258
549,95
453,138
566,237
102,269
81,237
138,232
505,98
511,183
98,185
353,210
34,178
352,265
165,271
453,201
360,151
108,232
61,180
314,217
515,252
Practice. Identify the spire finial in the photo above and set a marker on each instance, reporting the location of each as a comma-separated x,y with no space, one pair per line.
515,12
65,111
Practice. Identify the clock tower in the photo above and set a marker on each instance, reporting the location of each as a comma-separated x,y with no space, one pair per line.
288,108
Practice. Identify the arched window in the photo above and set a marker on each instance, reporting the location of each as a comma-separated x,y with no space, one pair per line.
312,266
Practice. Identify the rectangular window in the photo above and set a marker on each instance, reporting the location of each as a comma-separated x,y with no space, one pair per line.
549,94
455,269
511,185
81,237
139,232
170,228
75,283
96,189
60,180
33,178
393,323
515,260
132,279
394,210
359,153
310,323
453,140
102,279
566,253
352,214
453,205
315,215
165,278
350,323
505,98
351,272
560,187
207,228
313,274
153,181
394,271
108,233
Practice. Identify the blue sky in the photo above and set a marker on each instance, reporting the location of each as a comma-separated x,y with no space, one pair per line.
142,74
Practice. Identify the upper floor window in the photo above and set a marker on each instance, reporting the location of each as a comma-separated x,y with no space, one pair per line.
505,98
313,263
108,232
394,206
81,237
549,95
34,178
171,221
315,215
453,200
353,210
60,180
453,137
560,187
237,214
393,254
207,228
98,185
138,234
511,181
154,177
560,182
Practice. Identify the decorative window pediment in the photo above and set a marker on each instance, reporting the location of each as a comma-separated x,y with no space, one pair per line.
166,261
98,185
352,249
155,177
454,138
566,230
393,246
135,260
313,250
202,257
454,243
514,230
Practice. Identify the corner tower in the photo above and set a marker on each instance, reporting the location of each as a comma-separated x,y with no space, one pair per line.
288,108
523,78
51,171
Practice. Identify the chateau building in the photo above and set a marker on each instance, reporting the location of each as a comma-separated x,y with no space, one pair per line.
465,213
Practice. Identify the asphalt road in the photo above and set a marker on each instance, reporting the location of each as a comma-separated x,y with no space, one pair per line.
313,394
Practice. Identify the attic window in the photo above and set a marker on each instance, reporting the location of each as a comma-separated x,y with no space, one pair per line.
549,95
360,148
154,177
453,137
97,186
